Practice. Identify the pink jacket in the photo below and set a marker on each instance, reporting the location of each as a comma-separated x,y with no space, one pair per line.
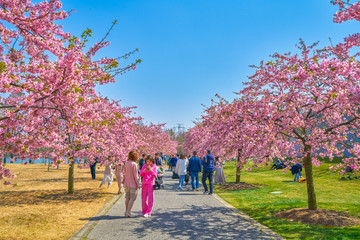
131,175
148,177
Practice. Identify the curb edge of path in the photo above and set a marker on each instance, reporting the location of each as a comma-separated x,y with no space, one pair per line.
84,231
256,224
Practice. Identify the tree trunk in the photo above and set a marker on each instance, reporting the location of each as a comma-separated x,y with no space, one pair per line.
238,168
71,178
309,180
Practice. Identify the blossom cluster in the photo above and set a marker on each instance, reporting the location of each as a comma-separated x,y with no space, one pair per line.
48,104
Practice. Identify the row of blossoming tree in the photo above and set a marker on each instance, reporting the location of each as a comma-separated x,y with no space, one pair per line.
296,107
48,104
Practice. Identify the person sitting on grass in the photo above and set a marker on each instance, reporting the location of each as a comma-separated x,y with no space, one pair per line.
276,164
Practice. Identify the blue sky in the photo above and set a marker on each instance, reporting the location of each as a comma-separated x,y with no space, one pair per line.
193,49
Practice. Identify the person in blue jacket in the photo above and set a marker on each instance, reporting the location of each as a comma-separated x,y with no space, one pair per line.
296,170
208,171
194,168
173,162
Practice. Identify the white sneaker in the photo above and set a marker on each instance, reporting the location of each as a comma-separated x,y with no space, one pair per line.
126,214
146,215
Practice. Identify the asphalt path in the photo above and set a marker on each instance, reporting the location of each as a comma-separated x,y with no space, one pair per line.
178,214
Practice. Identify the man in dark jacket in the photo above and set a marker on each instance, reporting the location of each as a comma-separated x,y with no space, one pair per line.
93,168
142,161
296,170
141,164
194,168
208,171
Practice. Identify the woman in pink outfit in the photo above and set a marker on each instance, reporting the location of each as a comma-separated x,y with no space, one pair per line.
148,173
131,182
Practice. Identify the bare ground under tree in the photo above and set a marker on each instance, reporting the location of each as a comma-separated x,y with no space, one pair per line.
324,217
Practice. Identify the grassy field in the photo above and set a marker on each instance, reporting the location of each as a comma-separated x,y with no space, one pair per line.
261,204
39,207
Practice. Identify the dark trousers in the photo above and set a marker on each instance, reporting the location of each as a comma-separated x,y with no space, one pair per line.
93,171
208,175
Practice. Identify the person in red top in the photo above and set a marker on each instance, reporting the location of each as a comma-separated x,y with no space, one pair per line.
148,173
131,182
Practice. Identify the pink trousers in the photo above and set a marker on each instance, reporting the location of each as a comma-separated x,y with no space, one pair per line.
147,197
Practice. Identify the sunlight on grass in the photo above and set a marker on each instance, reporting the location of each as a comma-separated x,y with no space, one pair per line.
261,204
40,208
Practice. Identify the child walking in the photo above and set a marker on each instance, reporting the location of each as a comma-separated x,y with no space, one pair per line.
131,182
148,173
108,173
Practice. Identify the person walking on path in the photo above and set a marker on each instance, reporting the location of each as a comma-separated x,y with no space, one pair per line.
219,171
119,174
158,160
194,168
131,182
208,171
180,169
142,163
148,173
108,173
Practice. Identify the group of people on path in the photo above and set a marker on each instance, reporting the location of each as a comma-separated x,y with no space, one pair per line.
131,176
193,166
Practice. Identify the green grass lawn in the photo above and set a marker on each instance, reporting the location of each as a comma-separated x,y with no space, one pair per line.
261,204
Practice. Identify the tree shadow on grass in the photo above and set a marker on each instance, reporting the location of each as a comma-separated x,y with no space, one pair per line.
33,197
291,182
58,180
239,186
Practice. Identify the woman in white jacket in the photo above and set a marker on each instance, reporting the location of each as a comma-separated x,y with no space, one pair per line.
180,169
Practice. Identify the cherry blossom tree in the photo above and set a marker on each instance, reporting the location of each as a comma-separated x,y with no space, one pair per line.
47,76
153,138
232,129
301,107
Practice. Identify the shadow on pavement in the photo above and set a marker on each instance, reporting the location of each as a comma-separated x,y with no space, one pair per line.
204,222
105,217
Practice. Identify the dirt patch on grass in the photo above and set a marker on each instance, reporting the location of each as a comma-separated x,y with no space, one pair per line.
238,186
324,217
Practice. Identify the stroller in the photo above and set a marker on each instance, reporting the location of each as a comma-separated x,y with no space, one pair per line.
159,182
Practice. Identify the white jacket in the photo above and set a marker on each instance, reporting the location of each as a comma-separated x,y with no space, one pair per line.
181,166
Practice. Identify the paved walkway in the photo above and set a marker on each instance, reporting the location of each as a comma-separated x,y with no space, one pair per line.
178,215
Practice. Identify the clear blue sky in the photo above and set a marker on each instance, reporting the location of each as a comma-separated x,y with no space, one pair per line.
193,49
